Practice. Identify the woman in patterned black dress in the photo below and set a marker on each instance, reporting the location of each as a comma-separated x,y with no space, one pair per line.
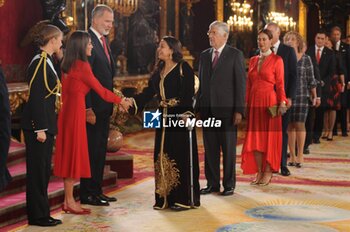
306,86
333,97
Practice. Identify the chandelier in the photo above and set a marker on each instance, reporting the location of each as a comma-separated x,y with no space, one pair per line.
284,22
242,16
124,7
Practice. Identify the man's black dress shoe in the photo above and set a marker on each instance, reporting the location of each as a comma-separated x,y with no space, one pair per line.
285,171
107,198
58,221
227,192
317,141
178,208
94,200
209,189
306,151
43,222
344,134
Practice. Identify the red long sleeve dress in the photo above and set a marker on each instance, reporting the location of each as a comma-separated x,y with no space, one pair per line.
71,156
264,88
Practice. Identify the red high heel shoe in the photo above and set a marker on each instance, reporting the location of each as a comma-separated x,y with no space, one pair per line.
66,209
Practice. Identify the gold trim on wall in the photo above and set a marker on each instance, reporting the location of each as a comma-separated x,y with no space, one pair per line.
302,20
177,19
220,10
163,17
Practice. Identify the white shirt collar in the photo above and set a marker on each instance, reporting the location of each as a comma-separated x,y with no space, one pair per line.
97,34
219,50
321,48
337,46
275,46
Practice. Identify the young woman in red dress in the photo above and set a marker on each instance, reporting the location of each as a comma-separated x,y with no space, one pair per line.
262,147
72,158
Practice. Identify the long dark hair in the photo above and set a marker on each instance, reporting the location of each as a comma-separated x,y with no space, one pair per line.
175,45
75,49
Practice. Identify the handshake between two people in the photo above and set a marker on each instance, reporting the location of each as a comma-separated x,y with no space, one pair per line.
125,104
123,107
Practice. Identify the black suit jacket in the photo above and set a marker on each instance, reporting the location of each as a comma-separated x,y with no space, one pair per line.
5,131
327,65
317,77
104,72
344,50
290,69
39,112
222,89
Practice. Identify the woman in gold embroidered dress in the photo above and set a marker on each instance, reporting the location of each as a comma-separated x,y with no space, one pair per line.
172,83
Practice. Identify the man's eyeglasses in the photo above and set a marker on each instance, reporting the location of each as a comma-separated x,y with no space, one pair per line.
212,32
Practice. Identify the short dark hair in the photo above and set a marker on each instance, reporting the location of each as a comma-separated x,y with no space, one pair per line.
75,49
322,31
336,28
267,32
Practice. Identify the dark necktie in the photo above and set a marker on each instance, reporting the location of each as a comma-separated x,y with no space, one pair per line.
215,60
105,48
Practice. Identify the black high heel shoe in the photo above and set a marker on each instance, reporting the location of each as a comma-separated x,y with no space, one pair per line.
330,139
291,164
298,165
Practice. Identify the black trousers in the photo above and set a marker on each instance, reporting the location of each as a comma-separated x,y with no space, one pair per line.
318,125
97,141
309,126
38,160
224,138
285,122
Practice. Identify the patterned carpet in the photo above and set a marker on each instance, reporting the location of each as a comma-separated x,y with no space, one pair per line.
315,198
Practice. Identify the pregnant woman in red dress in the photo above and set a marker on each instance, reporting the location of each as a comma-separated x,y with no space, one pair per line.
262,147
72,157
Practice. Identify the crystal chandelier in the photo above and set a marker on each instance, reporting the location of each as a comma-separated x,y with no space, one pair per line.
124,7
242,16
284,22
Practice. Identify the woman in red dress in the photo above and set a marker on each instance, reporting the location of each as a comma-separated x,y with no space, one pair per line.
72,158
262,147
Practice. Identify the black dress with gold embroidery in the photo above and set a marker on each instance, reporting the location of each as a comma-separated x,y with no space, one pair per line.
172,145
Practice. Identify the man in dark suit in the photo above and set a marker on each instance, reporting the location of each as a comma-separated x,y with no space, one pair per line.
290,85
98,111
326,63
222,95
309,124
5,131
344,50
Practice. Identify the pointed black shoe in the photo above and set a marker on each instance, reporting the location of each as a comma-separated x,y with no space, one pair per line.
107,198
45,222
285,171
94,200
227,192
209,189
178,208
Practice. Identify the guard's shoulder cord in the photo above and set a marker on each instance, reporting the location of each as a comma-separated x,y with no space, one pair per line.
57,89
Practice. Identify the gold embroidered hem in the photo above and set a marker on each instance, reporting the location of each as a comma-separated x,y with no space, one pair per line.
167,175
